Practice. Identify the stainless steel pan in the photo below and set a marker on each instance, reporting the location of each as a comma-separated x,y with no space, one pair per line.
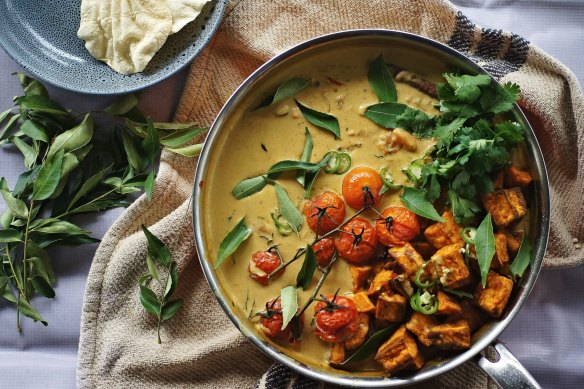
507,370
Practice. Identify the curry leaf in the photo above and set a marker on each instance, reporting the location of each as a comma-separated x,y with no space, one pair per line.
149,300
149,184
156,248
48,178
458,293
171,308
39,103
134,157
9,235
248,187
73,139
56,226
381,81
172,281
152,267
287,208
289,88
305,157
42,286
522,259
371,345
6,131
151,143
320,119
386,114
231,242
16,206
306,272
187,151
179,138
30,86
27,310
29,153
415,200
34,130
289,300
288,165
89,185
485,247
123,105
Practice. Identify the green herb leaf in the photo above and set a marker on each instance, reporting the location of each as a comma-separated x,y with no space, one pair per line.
289,88
381,81
43,266
289,165
458,293
42,286
417,122
149,300
187,151
289,300
73,139
172,281
152,267
171,308
149,185
34,130
6,131
16,206
305,157
485,247
151,143
386,114
123,105
181,137
3,284
445,133
465,87
371,345
88,186
157,248
523,258
134,157
56,226
287,208
304,277
25,180
415,200
38,104
27,310
30,86
320,119
231,242
29,153
248,187
9,235
48,178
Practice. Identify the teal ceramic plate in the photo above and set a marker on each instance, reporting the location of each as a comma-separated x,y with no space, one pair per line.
42,37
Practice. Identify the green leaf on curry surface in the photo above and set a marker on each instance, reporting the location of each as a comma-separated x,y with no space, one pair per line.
289,300
248,187
305,157
231,242
386,114
306,272
157,249
73,139
288,165
289,88
381,80
48,178
415,200
485,247
523,258
287,208
320,119
371,345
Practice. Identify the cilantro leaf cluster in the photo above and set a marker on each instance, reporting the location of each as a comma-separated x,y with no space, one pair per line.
473,140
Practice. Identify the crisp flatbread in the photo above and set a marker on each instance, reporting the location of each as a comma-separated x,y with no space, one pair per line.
184,12
125,34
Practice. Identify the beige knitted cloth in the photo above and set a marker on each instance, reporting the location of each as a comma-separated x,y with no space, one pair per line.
201,348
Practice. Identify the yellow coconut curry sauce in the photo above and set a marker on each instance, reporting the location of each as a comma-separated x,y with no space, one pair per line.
255,139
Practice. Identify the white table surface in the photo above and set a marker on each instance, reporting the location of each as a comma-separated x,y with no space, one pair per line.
547,336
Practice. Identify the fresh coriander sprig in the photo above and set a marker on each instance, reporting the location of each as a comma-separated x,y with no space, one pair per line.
159,305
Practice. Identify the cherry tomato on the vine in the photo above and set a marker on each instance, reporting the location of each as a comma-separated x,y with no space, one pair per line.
263,263
361,187
329,208
272,320
356,241
336,319
396,226
324,250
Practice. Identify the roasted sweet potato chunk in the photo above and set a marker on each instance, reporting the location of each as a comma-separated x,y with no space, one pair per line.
501,258
447,305
505,206
381,282
337,353
425,249
390,307
419,324
494,297
517,177
357,340
450,336
499,180
407,258
444,234
363,303
451,268
399,352
359,274
513,242
473,316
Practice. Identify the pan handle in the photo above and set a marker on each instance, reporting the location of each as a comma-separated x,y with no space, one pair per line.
507,372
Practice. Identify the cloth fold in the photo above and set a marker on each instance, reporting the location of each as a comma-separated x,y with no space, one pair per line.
200,346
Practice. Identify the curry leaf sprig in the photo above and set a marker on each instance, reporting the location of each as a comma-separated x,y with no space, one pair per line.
159,305
71,168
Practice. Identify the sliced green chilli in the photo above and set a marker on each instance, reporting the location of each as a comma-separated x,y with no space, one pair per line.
388,180
425,303
282,225
468,235
345,163
419,283
337,163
